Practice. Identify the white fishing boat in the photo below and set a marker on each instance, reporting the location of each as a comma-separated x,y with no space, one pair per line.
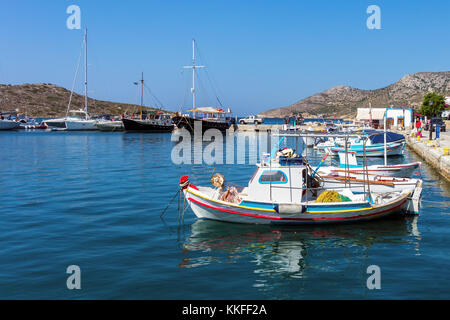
284,191
378,144
348,163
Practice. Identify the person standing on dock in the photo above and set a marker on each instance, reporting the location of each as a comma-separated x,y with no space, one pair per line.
419,127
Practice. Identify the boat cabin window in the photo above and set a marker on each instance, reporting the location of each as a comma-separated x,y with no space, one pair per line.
272,176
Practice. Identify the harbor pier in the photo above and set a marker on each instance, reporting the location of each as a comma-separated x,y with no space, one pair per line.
434,152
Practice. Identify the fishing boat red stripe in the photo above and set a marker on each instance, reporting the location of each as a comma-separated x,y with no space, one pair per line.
292,219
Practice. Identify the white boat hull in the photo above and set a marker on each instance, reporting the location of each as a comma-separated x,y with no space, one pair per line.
9,125
400,171
314,213
392,149
56,123
81,125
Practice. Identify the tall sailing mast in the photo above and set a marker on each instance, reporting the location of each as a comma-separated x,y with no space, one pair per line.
86,107
142,92
193,75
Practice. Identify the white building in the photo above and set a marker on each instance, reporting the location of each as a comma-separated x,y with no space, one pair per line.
395,117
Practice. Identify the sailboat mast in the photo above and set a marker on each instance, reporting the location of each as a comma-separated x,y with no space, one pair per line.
142,91
193,76
86,108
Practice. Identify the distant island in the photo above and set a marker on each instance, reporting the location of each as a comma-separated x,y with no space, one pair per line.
45,100
342,101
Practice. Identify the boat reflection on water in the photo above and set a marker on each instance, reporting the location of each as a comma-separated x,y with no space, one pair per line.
285,251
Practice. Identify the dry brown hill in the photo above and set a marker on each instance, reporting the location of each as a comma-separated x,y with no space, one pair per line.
49,100
344,100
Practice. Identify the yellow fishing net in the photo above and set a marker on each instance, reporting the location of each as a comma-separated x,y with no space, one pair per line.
328,196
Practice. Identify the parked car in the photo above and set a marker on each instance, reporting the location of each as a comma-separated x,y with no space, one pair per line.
251,119
435,121
446,114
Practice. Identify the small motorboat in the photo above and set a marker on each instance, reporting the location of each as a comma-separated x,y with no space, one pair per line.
348,163
373,146
283,190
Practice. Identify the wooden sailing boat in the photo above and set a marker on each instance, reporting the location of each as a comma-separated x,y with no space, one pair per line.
154,121
210,118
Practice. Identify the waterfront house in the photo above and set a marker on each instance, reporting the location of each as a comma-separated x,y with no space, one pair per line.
396,118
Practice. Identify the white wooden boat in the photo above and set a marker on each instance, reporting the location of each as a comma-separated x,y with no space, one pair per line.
374,147
348,163
283,191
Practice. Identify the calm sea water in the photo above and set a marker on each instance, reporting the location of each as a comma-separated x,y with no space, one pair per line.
94,200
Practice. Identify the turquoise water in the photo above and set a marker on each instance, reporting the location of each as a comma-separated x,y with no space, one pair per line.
94,200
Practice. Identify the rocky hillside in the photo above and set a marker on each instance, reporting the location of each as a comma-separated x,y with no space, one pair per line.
49,100
343,101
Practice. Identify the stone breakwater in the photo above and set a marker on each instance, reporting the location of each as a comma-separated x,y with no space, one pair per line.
435,152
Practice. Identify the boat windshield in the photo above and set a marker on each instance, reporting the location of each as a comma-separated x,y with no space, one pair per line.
77,115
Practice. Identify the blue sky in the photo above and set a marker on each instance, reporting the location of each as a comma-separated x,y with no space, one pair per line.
259,54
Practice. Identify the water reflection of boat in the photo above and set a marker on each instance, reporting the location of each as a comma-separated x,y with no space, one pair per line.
284,250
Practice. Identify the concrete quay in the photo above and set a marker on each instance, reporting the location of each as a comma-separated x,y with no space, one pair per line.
434,152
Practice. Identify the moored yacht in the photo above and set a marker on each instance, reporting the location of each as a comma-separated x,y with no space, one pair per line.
153,121
82,121
210,118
